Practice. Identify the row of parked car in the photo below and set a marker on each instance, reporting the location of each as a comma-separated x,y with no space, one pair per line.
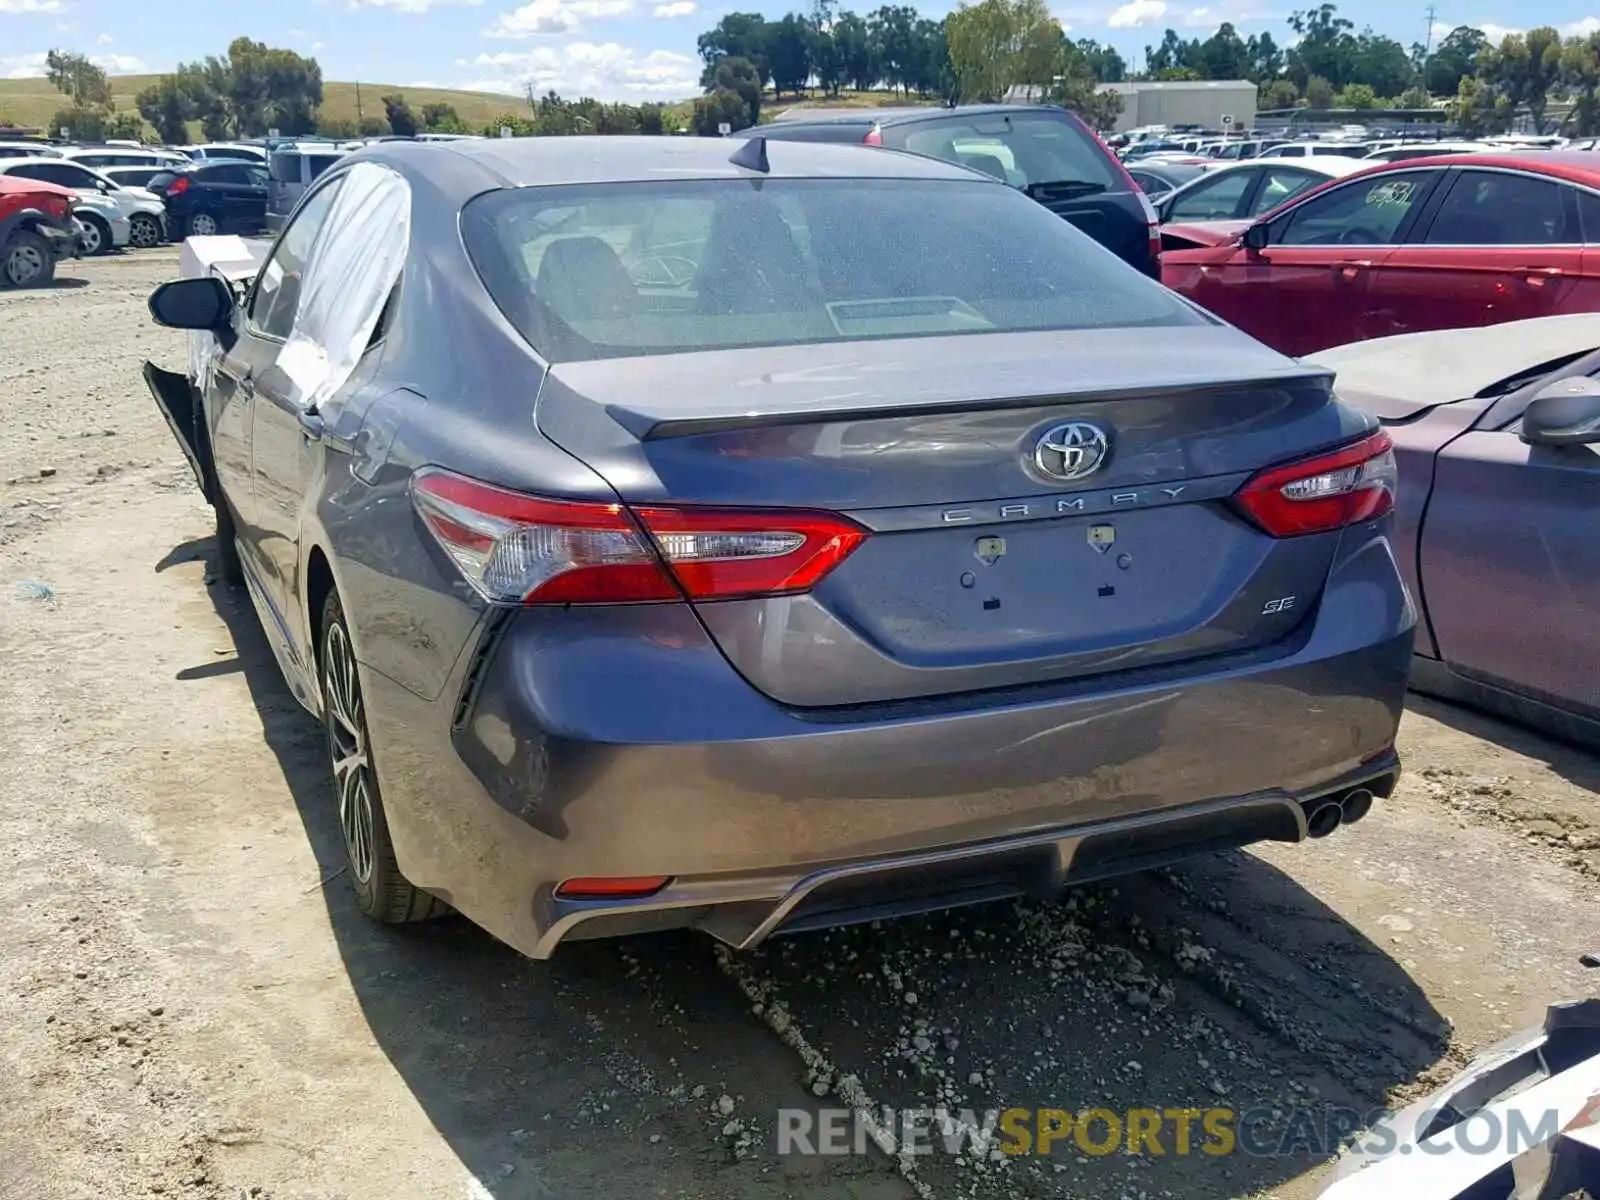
129,195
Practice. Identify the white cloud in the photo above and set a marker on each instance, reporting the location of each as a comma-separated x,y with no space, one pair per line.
1494,31
554,16
412,6
1136,13
1583,27
606,72
675,8
33,66
1197,18
105,39
30,6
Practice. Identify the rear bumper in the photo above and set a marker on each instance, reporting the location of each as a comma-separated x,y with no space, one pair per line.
620,743
62,239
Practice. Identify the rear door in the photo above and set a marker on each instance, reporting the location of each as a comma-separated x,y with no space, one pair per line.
1510,564
1308,289
1499,245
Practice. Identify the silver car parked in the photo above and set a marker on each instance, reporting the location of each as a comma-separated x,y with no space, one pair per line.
763,542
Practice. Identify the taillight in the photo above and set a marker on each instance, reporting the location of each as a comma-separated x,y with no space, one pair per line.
874,137
519,549
1349,485
178,186
59,207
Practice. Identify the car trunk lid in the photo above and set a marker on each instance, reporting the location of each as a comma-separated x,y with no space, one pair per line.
983,569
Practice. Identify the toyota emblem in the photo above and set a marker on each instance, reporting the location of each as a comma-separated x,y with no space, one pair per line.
1071,451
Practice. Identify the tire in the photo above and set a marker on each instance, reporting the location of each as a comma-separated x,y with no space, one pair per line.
382,892
229,568
26,261
146,231
96,235
203,224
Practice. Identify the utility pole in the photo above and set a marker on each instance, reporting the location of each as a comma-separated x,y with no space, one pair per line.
1427,38
358,102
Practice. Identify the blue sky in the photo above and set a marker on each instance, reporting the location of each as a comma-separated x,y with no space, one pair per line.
612,49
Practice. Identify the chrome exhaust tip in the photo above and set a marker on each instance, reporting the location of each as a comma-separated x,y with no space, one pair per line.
1323,819
1355,804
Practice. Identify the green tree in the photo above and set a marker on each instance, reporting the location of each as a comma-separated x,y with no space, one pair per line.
826,58
1455,58
1580,72
168,107
442,118
1522,69
737,35
372,125
741,77
1173,54
1381,63
401,119
1266,59
722,105
789,54
652,119
997,44
1319,92
1326,46
1276,94
1356,95
75,77
1415,96
859,57
1107,65
1477,110
1224,55
894,30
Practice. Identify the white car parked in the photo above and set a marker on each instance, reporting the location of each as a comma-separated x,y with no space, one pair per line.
112,155
102,225
142,210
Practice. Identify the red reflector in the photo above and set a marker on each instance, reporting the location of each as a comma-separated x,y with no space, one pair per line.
1352,484
515,548
619,887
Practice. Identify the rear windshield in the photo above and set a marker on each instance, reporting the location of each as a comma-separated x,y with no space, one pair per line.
614,270
135,176
161,179
1025,149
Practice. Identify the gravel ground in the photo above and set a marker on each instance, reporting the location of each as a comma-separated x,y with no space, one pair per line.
194,1008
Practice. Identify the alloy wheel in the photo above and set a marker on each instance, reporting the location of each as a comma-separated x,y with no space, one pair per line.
91,236
347,744
23,264
202,224
146,231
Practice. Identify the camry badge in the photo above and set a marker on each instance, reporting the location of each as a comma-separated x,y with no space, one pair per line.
1072,451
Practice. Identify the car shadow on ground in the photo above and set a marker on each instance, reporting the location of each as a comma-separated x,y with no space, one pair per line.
548,1078
1573,762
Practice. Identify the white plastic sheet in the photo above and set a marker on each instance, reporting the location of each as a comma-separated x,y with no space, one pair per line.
354,265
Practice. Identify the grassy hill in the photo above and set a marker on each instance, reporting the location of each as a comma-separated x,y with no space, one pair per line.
32,102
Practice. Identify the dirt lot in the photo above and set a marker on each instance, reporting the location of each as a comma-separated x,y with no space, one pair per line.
194,1008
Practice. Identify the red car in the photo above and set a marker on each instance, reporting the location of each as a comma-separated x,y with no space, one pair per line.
1440,243
36,229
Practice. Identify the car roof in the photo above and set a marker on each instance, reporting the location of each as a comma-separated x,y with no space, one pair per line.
524,162
901,115
7,163
1329,164
1574,166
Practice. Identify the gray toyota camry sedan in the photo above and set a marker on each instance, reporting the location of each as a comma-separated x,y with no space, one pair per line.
756,537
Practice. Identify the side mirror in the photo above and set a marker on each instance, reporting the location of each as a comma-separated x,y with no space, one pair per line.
205,304
1564,413
1254,237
